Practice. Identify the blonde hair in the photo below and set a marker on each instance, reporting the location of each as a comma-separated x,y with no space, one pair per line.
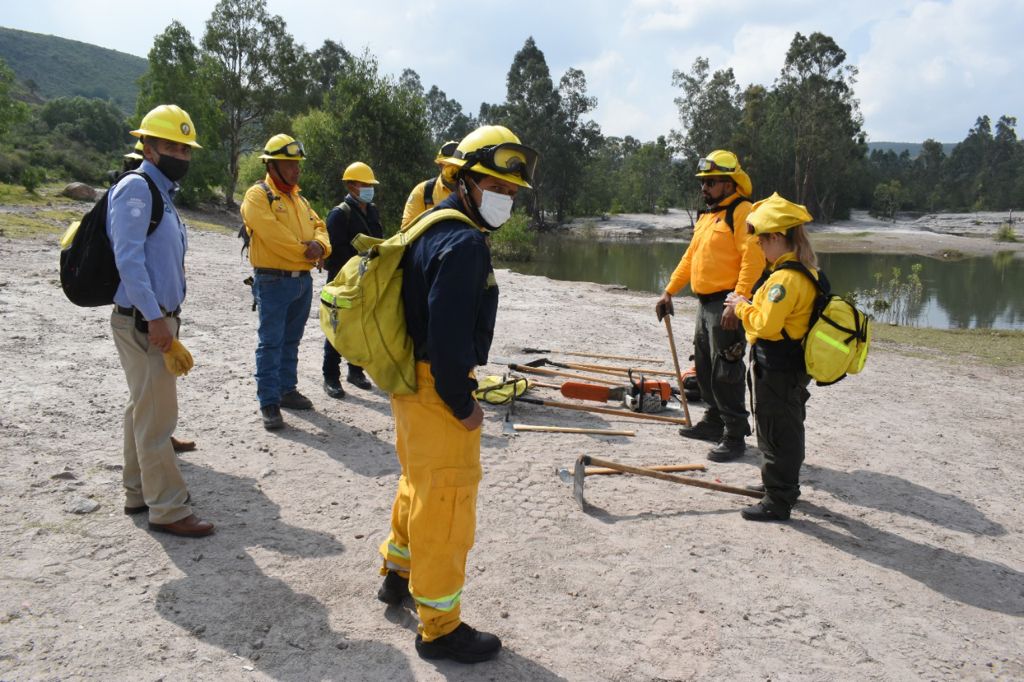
796,239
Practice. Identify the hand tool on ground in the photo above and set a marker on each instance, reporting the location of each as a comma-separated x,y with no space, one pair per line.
679,374
565,476
600,369
602,410
532,369
580,472
545,351
572,429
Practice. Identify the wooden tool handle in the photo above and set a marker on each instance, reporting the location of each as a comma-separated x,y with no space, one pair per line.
606,410
640,471
596,471
622,371
572,429
679,374
555,373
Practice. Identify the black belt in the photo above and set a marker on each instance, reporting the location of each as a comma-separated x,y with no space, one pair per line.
130,312
281,273
713,298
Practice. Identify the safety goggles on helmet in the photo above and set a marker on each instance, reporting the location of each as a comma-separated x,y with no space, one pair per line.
707,165
507,157
293,149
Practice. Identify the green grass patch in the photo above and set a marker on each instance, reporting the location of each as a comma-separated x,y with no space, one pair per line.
16,195
207,226
996,347
516,241
19,226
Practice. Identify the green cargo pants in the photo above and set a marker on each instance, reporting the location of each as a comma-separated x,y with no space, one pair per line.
779,411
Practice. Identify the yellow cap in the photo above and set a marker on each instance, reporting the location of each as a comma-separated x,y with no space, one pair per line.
776,214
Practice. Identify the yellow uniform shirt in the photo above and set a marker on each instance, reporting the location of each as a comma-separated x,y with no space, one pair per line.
720,259
416,203
278,228
784,301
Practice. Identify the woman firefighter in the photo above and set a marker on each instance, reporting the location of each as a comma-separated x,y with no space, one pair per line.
776,321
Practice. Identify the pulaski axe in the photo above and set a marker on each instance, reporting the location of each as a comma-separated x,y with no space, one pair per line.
580,472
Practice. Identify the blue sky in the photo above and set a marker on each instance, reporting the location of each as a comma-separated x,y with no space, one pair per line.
926,68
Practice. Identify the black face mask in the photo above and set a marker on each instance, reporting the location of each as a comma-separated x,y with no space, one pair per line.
175,169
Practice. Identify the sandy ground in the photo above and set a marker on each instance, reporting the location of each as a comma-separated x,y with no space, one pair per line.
945,235
904,559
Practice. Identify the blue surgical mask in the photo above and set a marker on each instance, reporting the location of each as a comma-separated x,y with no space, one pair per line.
366,194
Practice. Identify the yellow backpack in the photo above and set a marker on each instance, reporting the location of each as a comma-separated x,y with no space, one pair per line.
361,310
839,336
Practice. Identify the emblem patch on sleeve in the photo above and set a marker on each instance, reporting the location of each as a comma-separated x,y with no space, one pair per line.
776,293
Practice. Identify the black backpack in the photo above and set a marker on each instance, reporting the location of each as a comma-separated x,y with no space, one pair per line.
88,272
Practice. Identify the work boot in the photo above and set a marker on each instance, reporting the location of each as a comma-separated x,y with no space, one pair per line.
703,430
296,401
272,419
763,512
728,449
182,445
394,590
332,387
463,644
357,378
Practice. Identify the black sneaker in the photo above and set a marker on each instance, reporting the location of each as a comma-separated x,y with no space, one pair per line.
359,380
294,400
703,430
463,644
762,512
272,419
728,449
332,387
394,589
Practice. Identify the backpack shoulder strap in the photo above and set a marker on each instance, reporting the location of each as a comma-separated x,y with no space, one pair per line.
428,219
730,210
428,192
156,211
821,286
271,197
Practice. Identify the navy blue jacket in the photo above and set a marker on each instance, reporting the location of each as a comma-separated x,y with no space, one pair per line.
451,304
342,229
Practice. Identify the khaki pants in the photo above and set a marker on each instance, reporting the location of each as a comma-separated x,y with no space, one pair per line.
151,474
433,520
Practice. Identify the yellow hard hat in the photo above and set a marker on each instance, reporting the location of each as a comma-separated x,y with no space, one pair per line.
282,147
722,162
359,172
168,122
496,151
137,154
445,152
776,214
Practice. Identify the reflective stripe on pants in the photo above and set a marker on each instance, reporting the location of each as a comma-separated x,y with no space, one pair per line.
433,519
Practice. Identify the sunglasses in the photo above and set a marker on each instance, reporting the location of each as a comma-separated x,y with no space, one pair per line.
294,149
705,165
507,157
711,182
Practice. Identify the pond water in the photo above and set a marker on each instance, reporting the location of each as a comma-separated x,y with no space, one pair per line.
971,293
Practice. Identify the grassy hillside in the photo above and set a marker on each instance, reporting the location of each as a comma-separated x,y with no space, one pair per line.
61,67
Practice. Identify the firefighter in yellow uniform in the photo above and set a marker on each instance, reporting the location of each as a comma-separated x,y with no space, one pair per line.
776,321
721,258
287,238
450,298
434,190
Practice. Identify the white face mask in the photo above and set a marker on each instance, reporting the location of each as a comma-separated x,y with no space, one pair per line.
495,208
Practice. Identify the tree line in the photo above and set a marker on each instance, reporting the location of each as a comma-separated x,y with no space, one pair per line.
246,79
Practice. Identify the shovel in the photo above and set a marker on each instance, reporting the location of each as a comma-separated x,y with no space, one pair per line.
545,351
580,472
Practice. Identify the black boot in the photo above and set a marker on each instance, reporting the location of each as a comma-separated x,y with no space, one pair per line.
463,644
332,387
358,379
703,430
272,419
730,448
394,590
294,400
763,512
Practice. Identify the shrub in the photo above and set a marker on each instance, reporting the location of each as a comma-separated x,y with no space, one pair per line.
32,177
516,241
894,300
1006,233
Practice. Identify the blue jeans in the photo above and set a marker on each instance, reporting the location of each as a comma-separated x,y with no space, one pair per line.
283,304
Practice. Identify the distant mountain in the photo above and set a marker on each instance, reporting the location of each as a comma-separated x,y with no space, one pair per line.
913,147
57,67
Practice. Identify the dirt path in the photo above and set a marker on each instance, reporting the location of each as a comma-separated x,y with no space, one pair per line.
904,559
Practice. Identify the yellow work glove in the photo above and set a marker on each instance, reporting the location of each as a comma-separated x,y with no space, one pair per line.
178,360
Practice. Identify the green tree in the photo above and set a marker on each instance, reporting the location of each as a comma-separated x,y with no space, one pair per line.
709,110
258,73
98,124
371,118
445,118
178,74
12,111
324,66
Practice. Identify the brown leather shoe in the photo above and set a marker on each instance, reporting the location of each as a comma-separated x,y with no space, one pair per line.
182,445
189,527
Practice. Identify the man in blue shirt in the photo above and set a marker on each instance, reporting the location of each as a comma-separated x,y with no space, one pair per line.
145,320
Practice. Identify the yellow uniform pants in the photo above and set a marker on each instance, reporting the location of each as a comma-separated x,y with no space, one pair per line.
433,519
